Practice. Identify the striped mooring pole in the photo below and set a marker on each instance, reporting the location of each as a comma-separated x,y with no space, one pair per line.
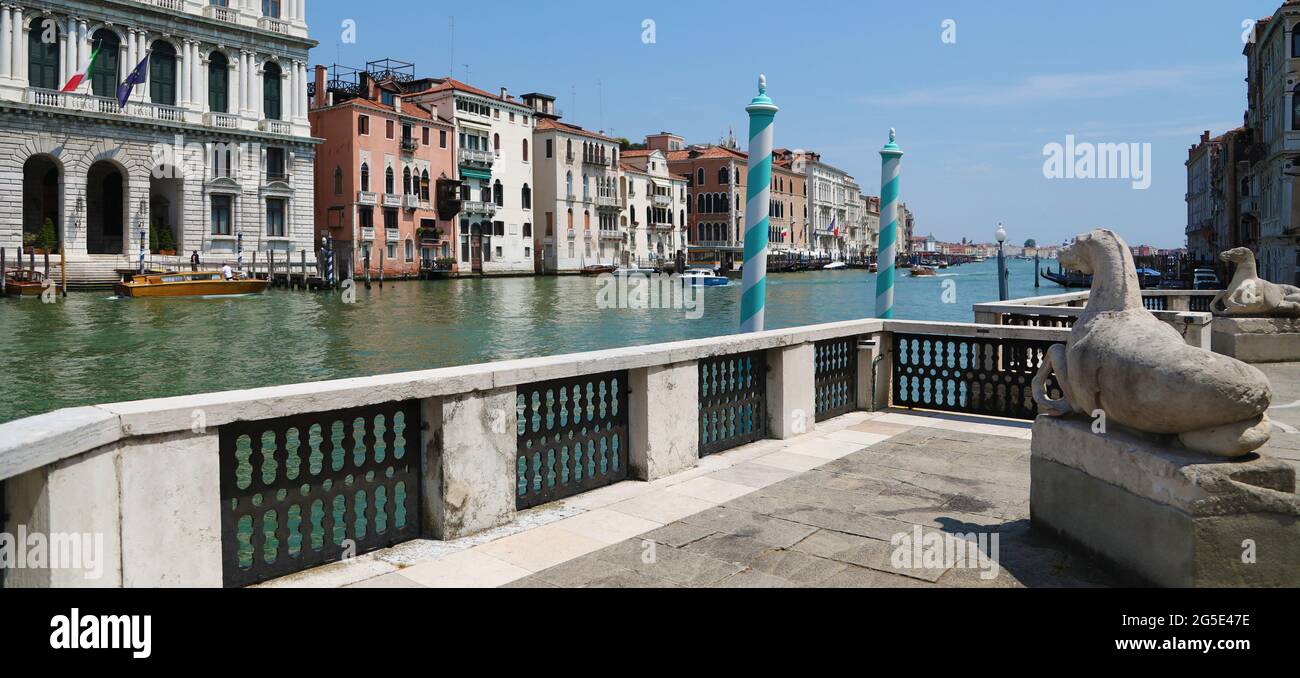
758,194
329,260
891,157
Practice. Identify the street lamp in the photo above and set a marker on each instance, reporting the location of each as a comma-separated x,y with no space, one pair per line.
1001,235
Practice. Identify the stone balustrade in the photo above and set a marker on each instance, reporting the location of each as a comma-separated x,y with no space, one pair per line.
171,483
1184,310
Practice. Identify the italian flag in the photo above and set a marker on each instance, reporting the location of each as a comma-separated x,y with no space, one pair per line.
84,72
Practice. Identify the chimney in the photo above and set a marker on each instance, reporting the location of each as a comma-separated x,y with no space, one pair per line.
321,89
504,94
367,85
397,103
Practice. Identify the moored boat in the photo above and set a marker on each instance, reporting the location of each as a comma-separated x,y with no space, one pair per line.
922,272
24,282
187,284
598,269
834,266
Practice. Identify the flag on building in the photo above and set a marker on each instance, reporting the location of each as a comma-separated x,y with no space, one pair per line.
835,229
80,76
135,77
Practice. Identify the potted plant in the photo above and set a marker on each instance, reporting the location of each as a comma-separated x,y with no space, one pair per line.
44,241
166,241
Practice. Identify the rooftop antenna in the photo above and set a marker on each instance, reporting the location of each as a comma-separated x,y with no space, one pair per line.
452,69
467,76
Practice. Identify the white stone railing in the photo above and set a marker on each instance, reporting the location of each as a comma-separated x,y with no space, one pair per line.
366,197
221,13
276,127
221,120
146,473
1056,310
274,25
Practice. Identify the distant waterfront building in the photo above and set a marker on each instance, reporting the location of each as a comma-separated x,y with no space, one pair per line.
378,169
792,190
226,92
1273,116
575,186
493,141
830,192
716,180
871,212
1218,187
655,216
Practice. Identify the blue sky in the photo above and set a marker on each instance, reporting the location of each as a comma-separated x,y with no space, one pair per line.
973,116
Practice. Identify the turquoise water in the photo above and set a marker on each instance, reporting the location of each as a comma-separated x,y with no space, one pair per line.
91,348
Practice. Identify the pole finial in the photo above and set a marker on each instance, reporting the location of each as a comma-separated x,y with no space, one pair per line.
893,134
762,84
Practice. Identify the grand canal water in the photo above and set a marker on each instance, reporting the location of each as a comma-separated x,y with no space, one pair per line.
91,348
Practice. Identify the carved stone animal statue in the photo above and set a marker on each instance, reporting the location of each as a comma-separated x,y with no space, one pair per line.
1250,295
1136,369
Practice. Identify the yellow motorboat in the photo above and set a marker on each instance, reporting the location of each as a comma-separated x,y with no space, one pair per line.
187,284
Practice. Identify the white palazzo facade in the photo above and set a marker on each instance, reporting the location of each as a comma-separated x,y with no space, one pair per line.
214,146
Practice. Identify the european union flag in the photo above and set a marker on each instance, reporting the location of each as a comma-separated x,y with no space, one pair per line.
135,77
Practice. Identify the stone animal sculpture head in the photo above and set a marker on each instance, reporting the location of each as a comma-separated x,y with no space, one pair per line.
1238,255
1082,254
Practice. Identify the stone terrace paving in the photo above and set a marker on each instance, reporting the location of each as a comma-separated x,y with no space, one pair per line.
815,510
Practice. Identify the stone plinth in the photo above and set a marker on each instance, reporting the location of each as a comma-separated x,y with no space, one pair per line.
1257,340
1170,517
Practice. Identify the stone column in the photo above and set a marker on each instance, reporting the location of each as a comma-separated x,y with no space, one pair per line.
469,462
83,52
20,46
64,55
6,42
142,90
288,100
791,395
232,83
129,58
662,400
183,82
201,83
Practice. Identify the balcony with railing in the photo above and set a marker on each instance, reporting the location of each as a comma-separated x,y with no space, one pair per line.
89,103
392,200
608,202
366,197
221,120
596,160
275,126
392,234
474,156
662,200
273,25
411,201
368,233
478,207
221,13
409,144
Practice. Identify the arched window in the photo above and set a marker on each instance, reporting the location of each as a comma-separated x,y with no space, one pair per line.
42,57
525,150
162,73
722,176
365,177
526,197
424,186
406,181
388,180
703,208
338,180
103,77
498,194
496,142
568,183
700,176
271,91
568,149
218,83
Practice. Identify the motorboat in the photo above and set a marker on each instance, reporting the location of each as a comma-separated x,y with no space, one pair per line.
187,284
703,277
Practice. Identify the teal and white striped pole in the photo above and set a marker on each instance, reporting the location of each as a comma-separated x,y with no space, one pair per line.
891,157
758,195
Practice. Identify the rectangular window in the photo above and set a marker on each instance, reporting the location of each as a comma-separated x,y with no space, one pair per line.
528,230
366,215
392,250
221,209
550,223
442,138
275,164
424,135
550,148
275,217
464,246
388,128
498,228
363,125
390,220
